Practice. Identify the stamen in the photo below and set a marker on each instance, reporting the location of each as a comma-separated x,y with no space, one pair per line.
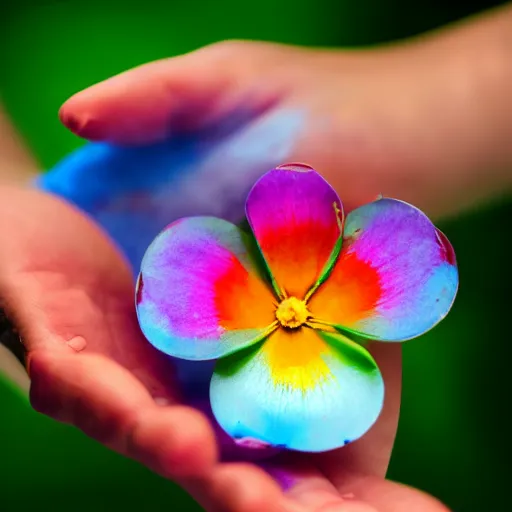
292,313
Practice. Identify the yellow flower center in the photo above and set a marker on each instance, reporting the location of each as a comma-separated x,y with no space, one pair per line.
292,313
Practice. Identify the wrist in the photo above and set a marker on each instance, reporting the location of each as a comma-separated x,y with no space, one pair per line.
434,113
471,73
17,165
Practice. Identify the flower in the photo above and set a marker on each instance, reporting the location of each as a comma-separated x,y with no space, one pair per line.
284,307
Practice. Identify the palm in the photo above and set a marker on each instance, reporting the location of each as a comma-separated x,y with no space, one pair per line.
77,293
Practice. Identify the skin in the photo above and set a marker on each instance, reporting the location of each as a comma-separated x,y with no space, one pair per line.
17,165
425,121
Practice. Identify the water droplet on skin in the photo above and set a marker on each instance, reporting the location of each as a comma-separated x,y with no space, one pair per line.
77,343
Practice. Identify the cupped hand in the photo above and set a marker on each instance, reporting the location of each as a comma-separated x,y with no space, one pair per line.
189,136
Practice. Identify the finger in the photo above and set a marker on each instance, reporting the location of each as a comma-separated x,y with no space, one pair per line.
183,93
240,487
306,485
348,506
301,480
108,404
387,496
177,442
88,391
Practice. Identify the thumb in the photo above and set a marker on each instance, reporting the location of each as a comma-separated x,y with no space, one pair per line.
179,94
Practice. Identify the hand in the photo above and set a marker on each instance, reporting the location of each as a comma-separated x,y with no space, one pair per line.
218,118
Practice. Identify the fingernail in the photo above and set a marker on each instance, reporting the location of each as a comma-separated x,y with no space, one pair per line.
69,121
83,125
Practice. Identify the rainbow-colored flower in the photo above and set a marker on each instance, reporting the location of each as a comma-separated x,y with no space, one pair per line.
284,306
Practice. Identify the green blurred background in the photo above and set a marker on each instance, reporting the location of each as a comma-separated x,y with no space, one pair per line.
451,439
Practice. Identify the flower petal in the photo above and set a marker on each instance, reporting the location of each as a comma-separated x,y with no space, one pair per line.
396,276
304,390
198,294
295,216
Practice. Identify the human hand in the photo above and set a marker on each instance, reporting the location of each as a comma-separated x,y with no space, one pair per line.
70,294
187,106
